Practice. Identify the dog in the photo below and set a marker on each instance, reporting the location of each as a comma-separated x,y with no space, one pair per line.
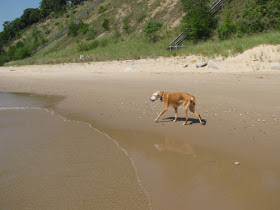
175,100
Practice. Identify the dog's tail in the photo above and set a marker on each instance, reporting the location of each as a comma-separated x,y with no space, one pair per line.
192,101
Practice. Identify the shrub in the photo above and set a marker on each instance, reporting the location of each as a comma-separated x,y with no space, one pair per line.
3,59
126,24
19,44
84,29
36,34
82,46
228,28
22,53
262,15
151,29
94,44
141,18
91,34
242,28
73,28
105,24
198,19
11,52
104,42
102,9
18,51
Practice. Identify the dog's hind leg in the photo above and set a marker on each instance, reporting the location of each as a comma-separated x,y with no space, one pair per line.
176,114
186,106
193,111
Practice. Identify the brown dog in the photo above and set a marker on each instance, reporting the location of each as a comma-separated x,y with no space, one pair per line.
175,100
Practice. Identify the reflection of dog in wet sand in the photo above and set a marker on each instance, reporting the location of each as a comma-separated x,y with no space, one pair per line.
175,100
175,146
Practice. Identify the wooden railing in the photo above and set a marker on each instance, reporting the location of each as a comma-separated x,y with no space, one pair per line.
214,8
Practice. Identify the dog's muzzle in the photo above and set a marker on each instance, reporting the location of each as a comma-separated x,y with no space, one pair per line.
153,98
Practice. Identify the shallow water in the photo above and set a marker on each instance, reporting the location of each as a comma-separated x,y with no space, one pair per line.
50,162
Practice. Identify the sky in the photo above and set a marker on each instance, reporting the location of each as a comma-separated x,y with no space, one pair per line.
12,9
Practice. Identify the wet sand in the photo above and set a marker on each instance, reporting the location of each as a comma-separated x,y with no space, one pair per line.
49,162
232,162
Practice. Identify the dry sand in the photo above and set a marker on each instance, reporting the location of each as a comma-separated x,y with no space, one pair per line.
232,162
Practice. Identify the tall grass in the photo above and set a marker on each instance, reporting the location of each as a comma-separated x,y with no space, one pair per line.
122,48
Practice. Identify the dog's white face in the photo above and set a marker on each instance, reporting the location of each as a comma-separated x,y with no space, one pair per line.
155,95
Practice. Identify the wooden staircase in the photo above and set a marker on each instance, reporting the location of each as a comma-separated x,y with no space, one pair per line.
177,42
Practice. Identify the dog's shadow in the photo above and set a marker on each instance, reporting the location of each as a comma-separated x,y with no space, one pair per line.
190,120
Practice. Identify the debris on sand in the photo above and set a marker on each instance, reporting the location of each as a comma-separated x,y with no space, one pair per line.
201,64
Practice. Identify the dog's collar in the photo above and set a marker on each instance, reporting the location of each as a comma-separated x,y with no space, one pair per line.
161,97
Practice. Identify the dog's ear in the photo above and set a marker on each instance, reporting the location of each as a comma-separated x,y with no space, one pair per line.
160,95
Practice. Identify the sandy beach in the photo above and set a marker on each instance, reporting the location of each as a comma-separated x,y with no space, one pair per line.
231,162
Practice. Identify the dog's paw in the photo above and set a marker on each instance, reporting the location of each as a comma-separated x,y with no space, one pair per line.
175,120
156,120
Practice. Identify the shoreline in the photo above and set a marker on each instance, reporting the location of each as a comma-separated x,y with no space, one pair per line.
172,159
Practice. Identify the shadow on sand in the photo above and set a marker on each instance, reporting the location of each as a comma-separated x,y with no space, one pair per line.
190,120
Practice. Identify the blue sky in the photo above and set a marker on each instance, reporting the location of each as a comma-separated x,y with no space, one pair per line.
11,9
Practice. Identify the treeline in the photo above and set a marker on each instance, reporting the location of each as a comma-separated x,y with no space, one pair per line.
13,29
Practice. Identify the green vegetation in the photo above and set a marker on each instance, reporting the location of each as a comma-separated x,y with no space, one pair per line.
126,25
106,24
228,28
121,29
138,47
102,9
256,17
15,29
91,33
151,30
74,28
198,19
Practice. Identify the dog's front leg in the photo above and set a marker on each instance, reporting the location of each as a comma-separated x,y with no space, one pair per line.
164,110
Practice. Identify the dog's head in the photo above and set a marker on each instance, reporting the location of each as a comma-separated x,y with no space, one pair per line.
157,95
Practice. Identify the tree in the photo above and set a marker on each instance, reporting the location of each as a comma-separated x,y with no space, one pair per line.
76,2
30,16
198,19
49,6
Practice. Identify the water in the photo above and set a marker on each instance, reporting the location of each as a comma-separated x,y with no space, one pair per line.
47,161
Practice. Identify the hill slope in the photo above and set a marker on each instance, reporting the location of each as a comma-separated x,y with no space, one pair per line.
114,30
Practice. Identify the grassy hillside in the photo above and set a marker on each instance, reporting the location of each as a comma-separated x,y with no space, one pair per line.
115,31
